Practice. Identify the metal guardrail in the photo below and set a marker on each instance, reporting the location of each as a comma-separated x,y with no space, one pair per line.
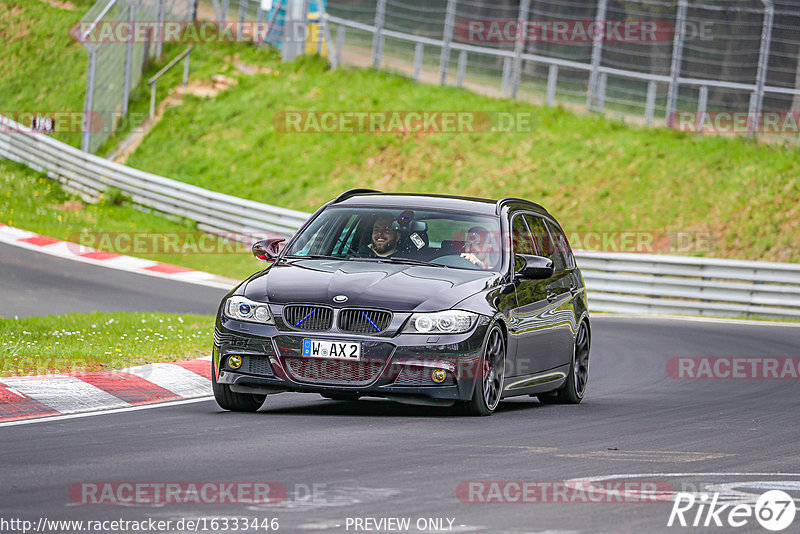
616,282
91,175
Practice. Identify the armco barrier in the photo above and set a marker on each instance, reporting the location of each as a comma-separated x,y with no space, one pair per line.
616,282
91,175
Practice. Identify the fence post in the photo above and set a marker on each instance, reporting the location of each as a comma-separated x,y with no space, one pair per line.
757,103
462,67
519,46
418,51
88,104
650,106
225,7
677,60
702,104
126,82
552,80
504,81
377,38
597,53
194,10
159,34
340,36
601,92
447,37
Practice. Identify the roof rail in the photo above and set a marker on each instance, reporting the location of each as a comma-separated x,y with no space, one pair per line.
504,201
352,193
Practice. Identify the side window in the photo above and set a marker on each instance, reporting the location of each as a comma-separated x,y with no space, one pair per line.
561,245
541,238
521,237
546,243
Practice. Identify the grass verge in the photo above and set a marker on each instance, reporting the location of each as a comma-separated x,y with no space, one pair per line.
87,342
734,198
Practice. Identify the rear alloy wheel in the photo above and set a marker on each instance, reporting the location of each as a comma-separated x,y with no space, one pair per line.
490,376
235,402
573,390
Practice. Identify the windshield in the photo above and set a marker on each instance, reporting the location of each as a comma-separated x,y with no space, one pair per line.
443,238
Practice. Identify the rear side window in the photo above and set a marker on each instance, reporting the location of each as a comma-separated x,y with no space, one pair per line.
561,244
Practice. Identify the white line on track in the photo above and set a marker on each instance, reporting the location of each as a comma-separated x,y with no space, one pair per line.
104,412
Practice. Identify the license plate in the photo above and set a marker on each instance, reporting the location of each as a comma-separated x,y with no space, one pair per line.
331,349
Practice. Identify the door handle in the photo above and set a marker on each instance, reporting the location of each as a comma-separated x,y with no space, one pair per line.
551,296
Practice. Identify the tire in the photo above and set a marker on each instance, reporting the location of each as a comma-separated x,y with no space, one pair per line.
341,396
490,377
235,402
574,389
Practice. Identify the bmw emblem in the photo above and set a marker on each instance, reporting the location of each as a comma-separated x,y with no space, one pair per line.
340,298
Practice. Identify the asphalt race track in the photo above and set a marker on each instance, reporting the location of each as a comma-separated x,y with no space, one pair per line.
33,283
376,459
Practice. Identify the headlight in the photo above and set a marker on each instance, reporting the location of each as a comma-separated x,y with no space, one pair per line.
446,322
247,310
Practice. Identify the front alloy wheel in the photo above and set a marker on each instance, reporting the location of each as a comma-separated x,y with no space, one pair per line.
490,376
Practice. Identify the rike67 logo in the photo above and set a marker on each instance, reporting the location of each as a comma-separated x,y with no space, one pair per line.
774,510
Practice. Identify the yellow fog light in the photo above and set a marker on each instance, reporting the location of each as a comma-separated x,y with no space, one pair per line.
234,362
438,375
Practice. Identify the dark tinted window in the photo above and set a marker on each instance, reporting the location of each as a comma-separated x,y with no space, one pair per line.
521,238
561,245
546,241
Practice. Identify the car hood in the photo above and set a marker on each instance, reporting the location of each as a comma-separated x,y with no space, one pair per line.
396,287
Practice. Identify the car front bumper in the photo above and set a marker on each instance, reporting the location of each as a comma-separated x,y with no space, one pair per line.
399,367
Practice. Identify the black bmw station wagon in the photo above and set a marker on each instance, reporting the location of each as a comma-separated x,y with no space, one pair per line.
423,299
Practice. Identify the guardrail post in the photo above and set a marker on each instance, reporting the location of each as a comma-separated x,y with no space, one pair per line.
519,46
418,52
552,80
597,53
757,104
126,81
377,37
462,68
677,61
702,104
88,104
650,105
447,37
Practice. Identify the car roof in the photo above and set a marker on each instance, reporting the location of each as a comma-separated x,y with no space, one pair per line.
483,206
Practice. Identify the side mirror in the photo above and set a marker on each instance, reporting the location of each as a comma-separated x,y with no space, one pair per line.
267,249
531,267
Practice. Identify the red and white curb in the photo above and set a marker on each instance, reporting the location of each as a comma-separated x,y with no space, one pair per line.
23,397
65,249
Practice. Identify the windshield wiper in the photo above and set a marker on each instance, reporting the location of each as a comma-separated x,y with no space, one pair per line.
315,257
407,261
